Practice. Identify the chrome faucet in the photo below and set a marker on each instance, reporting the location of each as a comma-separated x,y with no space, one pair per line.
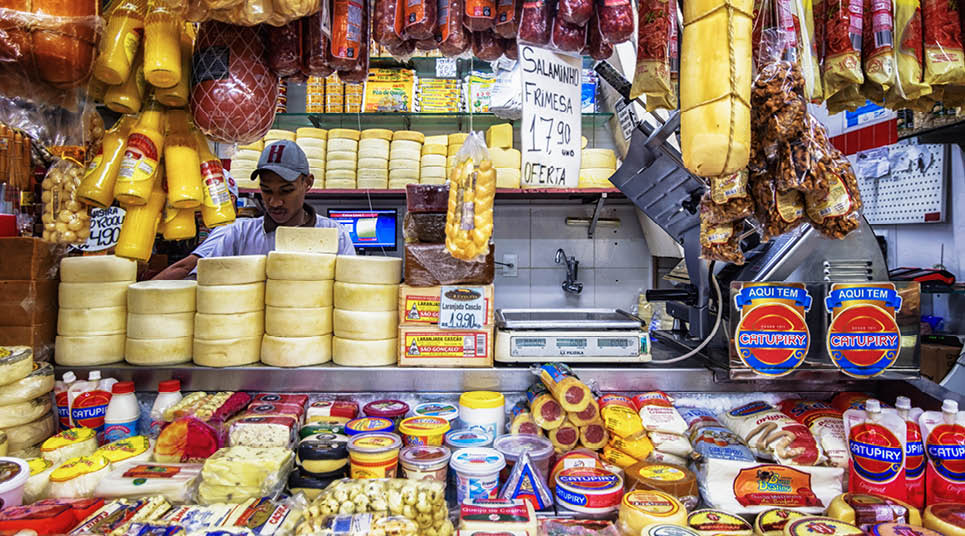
570,285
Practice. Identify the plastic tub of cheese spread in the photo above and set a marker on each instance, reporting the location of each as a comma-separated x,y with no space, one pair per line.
368,425
374,455
448,412
14,473
477,473
512,447
425,463
464,439
423,431
394,410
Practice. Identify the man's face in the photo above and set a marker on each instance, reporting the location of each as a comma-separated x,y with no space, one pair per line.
283,200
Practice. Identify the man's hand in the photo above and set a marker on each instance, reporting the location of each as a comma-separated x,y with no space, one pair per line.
180,269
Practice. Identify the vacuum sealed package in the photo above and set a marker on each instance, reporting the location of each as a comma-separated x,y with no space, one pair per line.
597,47
315,45
453,37
387,27
176,482
66,219
535,23
566,37
655,20
877,50
285,43
506,23
837,213
472,189
421,17
842,46
909,59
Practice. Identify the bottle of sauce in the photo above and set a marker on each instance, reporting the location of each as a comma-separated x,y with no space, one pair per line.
162,45
136,239
128,97
168,394
120,421
177,95
179,223
139,167
120,42
216,208
181,162
97,188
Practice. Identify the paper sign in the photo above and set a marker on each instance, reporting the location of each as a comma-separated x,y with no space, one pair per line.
552,118
446,68
105,229
462,307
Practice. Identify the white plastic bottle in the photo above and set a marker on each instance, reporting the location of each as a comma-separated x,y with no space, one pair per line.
168,394
60,395
123,413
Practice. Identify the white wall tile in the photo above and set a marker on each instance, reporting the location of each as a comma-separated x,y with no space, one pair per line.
618,287
513,292
546,289
511,232
621,253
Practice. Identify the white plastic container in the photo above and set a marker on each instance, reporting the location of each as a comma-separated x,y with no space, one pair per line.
483,411
477,473
14,473
123,412
168,394
60,396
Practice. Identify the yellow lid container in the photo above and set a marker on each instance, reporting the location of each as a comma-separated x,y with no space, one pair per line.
423,430
482,399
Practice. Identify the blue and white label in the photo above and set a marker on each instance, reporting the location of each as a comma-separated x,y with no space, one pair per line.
120,430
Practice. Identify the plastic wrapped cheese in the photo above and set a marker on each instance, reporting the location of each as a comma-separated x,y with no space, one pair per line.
71,443
241,472
78,477
16,362
428,265
37,383
130,449
27,435
271,431
38,481
133,479
23,412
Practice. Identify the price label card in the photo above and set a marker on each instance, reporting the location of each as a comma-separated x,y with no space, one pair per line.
552,118
105,229
446,68
462,307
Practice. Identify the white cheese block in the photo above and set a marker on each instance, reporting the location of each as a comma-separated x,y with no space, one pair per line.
97,268
365,325
307,239
373,163
598,158
400,184
374,184
372,145
404,163
366,296
158,326
435,149
334,183
166,351
100,294
91,321
405,146
298,321
402,154
439,181
437,160
342,144
336,165
296,351
83,351
432,172
231,270
439,139
381,174
281,293
315,163
162,296
295,266
209,326
505,158
231,299
508,178
227,352
368,269
352,353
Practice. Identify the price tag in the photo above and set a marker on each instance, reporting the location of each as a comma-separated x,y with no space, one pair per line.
446,68
461,307
627,118
552,118
105,229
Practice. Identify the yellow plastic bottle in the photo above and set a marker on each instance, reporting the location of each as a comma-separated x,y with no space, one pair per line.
136,239
181,162
139,167
216,208
128,97
179,223
162,45
177,95
97,188
121,39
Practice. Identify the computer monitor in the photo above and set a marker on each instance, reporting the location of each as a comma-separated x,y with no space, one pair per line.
369,228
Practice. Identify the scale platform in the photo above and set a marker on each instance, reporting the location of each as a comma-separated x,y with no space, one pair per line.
569,335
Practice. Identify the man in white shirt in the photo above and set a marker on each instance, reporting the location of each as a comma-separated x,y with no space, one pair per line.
285,178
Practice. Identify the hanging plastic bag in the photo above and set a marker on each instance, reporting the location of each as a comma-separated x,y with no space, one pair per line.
877,50
842,61
909,59
472,189
656,23
721,242
66,220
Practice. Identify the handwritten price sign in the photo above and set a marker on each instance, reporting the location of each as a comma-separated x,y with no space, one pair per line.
105,228
552,118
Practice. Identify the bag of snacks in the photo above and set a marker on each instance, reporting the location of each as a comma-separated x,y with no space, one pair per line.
727,200
721,242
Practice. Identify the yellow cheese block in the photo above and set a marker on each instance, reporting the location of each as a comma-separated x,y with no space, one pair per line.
435,149
595,178
215,326
368,269
231,352
231,299
83,351
296,351
159,326
373,163
507,178
342,144
281,293
278,134
457,138
256,146
365,325
352,353
598,158
300,266
161,351
500,136
343,133
298,321
231,270
432,172
91,321
377,134
306,240
440,139
433,160
409,135
506,158
366,296
311,132
372,183
96,269
100,294
453,149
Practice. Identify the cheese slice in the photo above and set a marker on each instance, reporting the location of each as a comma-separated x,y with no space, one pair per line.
295,266
335,183
306,239
311,133
506,158
342,145
434,149
343,133
231,352
368,269
372,183
298,321
507,178
365,325
281,293
457,138
231,299
409,135
101,294
373,163
215,326
162,351
352,353
439,139
162,296
96,269
231,270
365,296
91,321
296,351
598,158
159,326
436,160
83,351
376,134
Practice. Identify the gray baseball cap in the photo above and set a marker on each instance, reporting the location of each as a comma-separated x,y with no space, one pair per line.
285,158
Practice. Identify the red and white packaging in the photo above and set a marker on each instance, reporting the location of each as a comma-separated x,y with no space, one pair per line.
773,435
826,425
876,441
944,434
658,414
344,409
914,452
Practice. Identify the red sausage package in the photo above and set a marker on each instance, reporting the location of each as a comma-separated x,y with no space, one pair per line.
387,29
285,43
944,60
534,23
453,36
506,23
357,74
616,20
234,91
877,52
914,452
574,12
512,48
944,433
597,46
655,23
420,19
567,37
480,14
842,46
876,440
315,47
350,34
486,45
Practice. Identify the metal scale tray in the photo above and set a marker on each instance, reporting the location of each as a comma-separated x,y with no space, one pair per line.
569,335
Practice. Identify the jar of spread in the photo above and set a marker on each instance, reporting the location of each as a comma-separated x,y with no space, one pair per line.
464,439
394,410
423,430
512,447
374,455
425,463
366,425
14,473
477,473
448,412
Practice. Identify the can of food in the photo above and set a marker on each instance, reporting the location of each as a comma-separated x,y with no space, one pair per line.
423,431
425,463
374,455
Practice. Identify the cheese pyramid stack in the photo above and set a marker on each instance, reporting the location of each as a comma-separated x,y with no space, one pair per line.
455,143
373,165
92,319
405,156
160,322
366,317
230,322
313,141
298,297
433,170
244,162
341,158
596,168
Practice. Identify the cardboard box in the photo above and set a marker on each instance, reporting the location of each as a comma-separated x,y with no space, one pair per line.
40,338
28,303
430,346
420,305
938,359
28,259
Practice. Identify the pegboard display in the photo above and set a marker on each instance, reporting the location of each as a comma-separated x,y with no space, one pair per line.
907,186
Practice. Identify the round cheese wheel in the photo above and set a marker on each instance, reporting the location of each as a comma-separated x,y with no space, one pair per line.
457,138
409,135
365,325
947,518
709,522
433,160
27,435
314,149
245,154
296,351
281,293
276,134
435,150
231,299
158,326
162,296
375,146
438,139
227,352
366,297
432,172
405,174
231,270
162,351
256,145
340,165
376,134
365,183
675,480
91,321
300,266
438,181
311,133
21,413
316,163
298,321
404,164
401,184
404,154
405,145
771,522
100,294
37,383
96,269
346,133
333,183
353,353
381,164
368,269
216,326
640,508
829,526
85,351
345,145
337,156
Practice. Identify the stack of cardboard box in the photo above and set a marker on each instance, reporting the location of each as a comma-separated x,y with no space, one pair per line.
28,294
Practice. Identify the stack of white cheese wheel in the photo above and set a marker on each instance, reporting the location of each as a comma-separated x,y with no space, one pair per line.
298,297
433,164
230,321
313,141
596,168
92,319
373,168
160,322
341,158
244,162
405,156
507,163
455,143
366,318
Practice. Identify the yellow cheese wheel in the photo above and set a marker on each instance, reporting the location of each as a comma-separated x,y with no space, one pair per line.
232,352
366,296
368,269
231,270
365,325
405,145
409,135
434,149
335,165
453,150
162,296
296,351
381,164
231,299
457,138
640,508
352,353
255,146
306,239
598,158
83,351
404,164
279,134
945,518
371,174
316,149
101,294
161,325
311,133
432,172
96,269
367,183
300,266
91,321
438,181
341,145
281,293
507,178
315,163
439,139
377,134
435,160
379,147
335,180
245,155
216,326
404,176
343,133
400,184
161,351
298,321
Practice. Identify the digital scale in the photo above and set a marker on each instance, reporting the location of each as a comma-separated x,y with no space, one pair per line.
570,335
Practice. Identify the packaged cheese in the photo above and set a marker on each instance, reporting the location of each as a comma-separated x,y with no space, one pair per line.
135,479
674,444
71,443
739,487
809,525
640,508
826,425
497,516
545,409
130,449
38,481
709,522
572,394
876,438
914,451
672,479
16,362
27,435
262,431
78,477
773,435
944,434
323,453
619,415
865,510
946,518
36,383
249,467
658,414
771,522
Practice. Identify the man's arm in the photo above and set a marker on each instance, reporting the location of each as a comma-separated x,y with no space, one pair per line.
213,246
180,269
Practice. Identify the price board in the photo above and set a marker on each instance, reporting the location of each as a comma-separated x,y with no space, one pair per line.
105,229
462,307
552,118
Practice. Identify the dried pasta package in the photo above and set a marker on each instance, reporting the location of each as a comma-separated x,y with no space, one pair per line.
842,46
877,50
778,212
721,242
942,34
836,214
909,59
472,189
656,21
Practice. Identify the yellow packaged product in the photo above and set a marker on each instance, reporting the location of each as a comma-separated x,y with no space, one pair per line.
70,443
617,457
637,446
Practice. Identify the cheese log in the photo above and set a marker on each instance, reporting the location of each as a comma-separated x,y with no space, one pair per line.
522,421
215,326
365,325
593,436
99,294
282,293
590,415
296,351
97,269
162,296
546,411
160,326
564,437
572,394
231,299
865,509
637,446
83,351
232,352
352,353
715,59
231,270
298,321
371,270
307,239
159,351
295,266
